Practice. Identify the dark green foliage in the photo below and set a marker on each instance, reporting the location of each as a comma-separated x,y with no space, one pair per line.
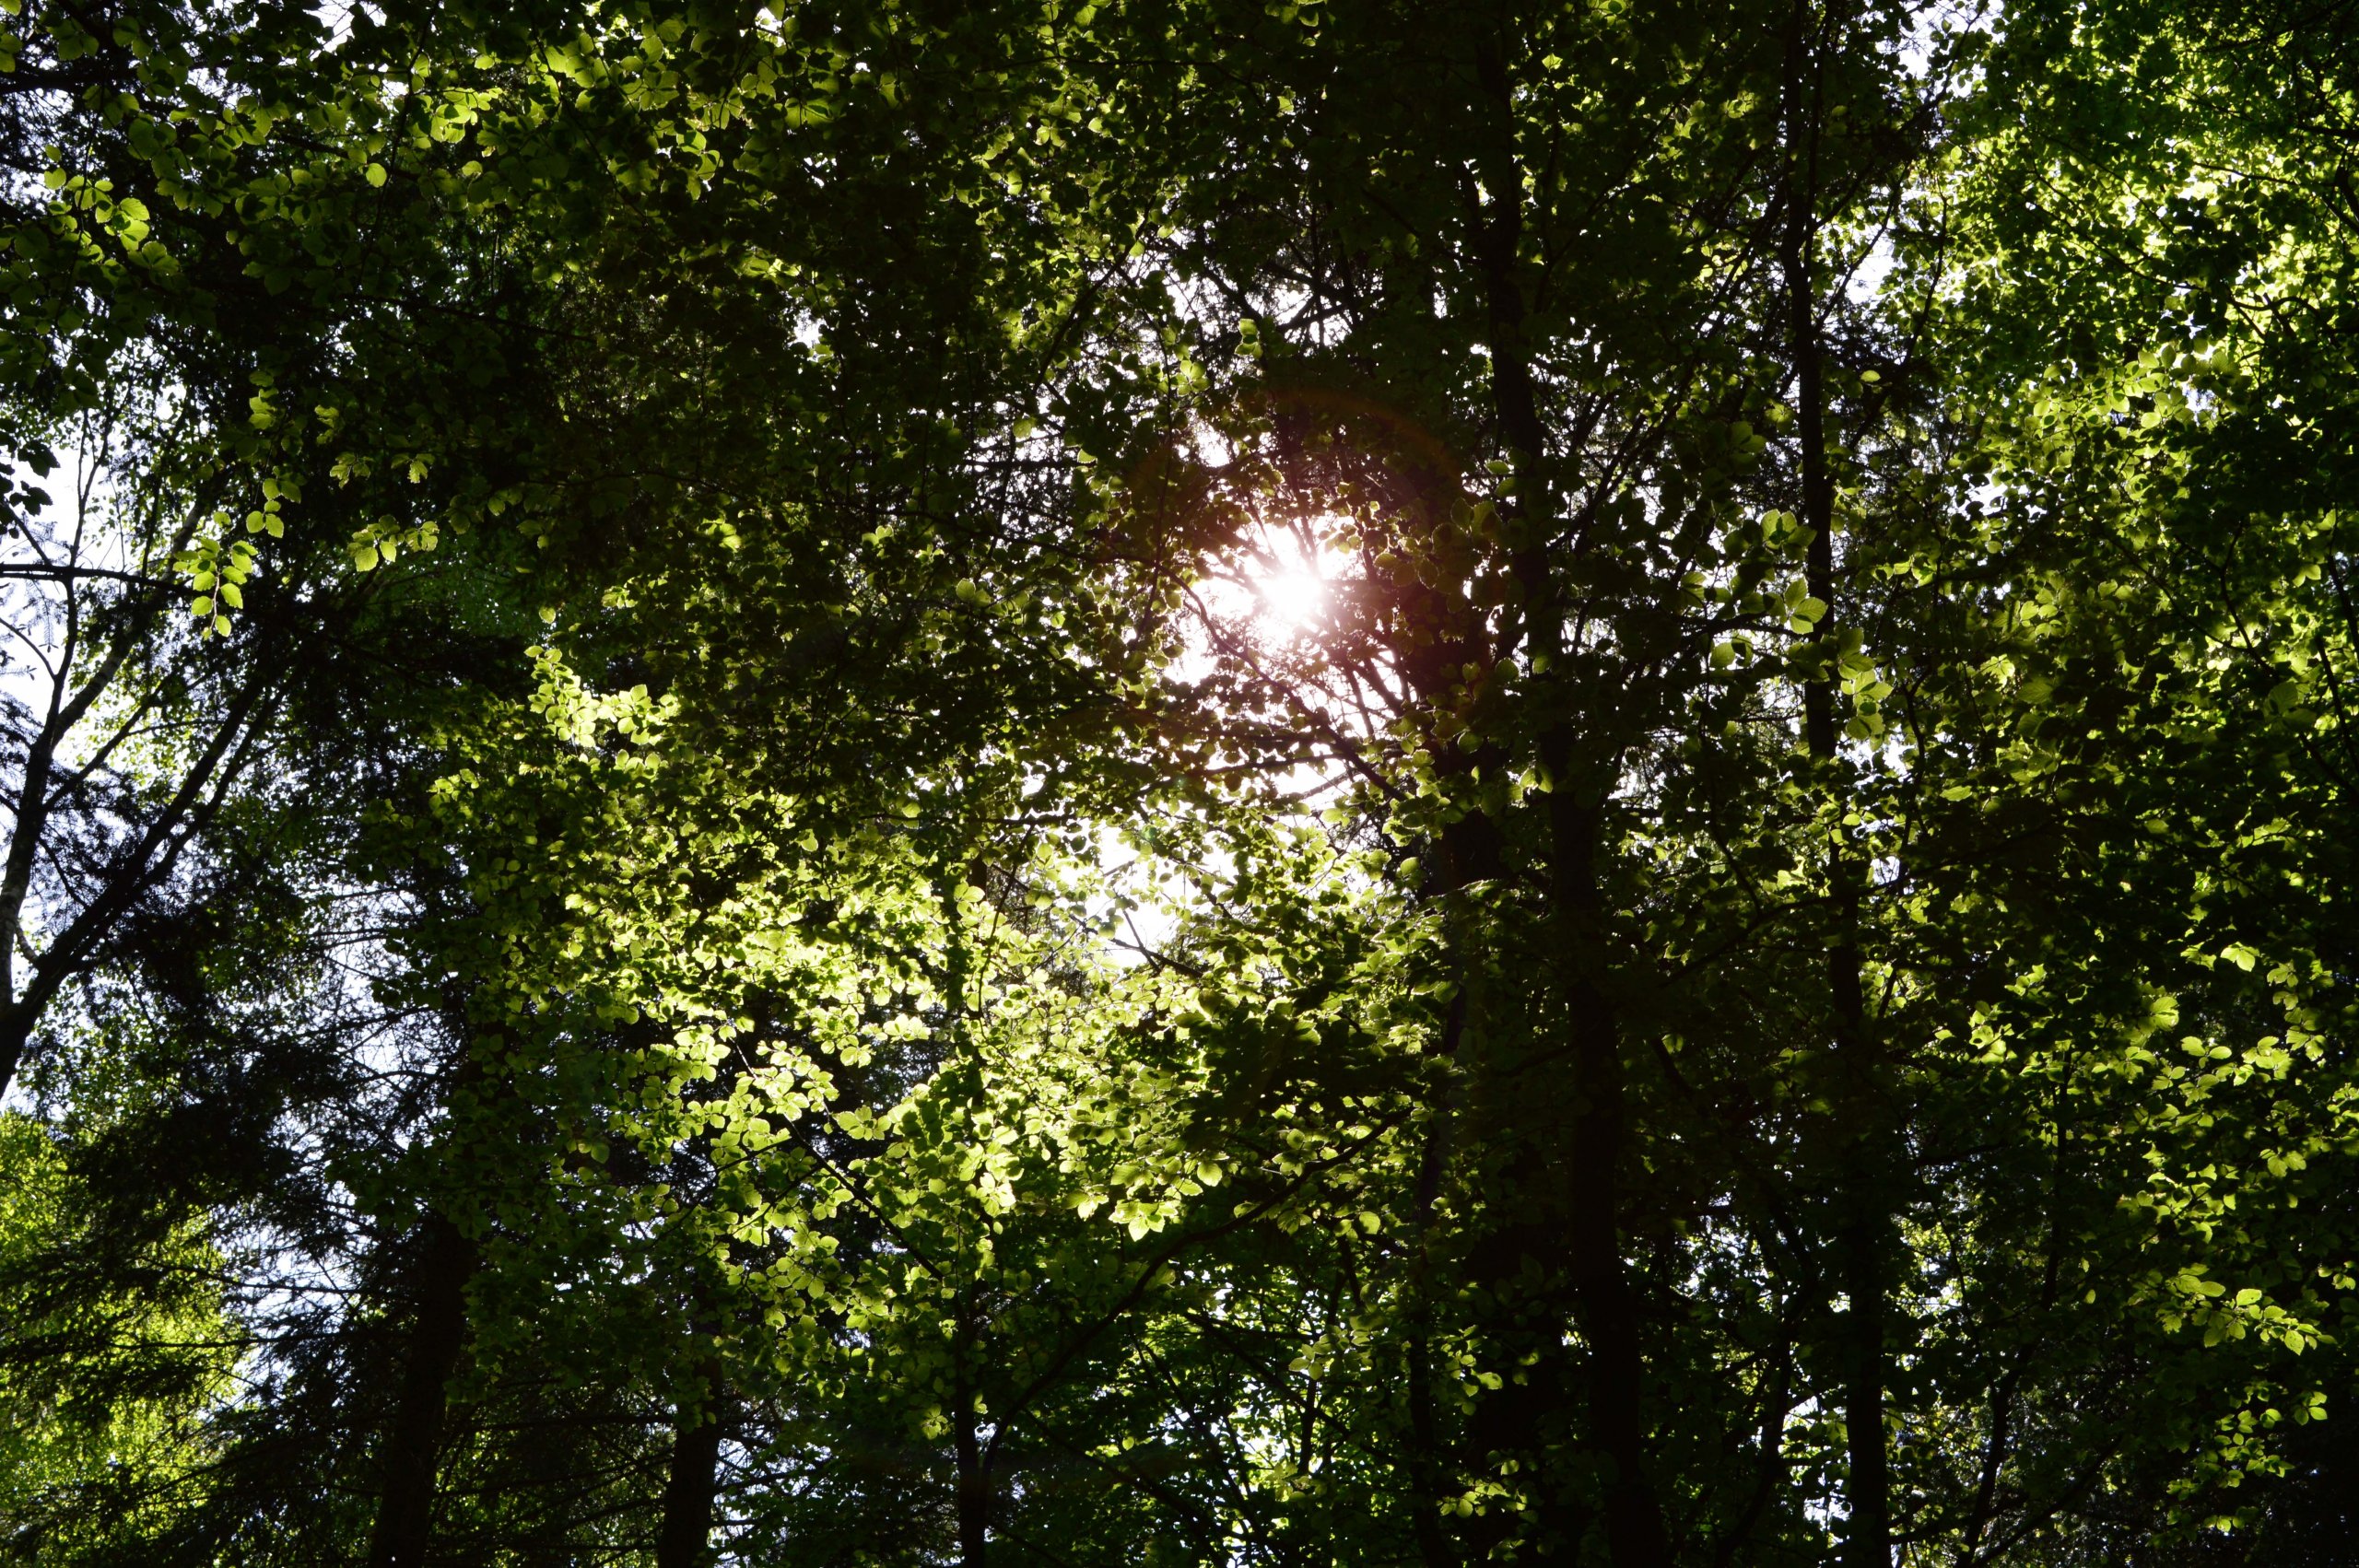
679,894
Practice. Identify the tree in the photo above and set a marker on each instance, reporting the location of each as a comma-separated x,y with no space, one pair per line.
807,973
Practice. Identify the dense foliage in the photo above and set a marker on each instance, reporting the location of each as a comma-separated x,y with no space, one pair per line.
1179,781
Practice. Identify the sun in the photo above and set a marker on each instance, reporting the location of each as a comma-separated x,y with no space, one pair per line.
1292,574
1292,598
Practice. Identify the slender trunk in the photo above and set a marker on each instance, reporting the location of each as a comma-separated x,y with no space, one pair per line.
1867,1541
684,1537
1862,1221
1470,853
1427,1467
1425,1457
2003,1397
1604,1305
1516,1424
20,1015
31,814
31,817
974,1484
1604,1302
134,870
1773,1473
1986,1489
414,1437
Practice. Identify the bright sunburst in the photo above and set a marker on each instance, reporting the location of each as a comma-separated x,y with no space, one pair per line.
1291,578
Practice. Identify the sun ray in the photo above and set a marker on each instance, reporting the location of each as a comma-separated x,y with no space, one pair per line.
1291,572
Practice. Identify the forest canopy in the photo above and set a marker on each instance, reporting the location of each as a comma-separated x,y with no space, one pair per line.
1245,783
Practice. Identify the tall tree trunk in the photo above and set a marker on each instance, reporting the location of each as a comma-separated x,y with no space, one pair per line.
1861,1220
684,1539
1426,1471
414,1437
1428,1467
1603,1303
1867,1541
974,1483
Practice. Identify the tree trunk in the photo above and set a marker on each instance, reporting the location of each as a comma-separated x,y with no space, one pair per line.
1428,1466
130,874
1426,1471
684,1537
1861,1220
413,1438
1867,1541
1603,1303
974,1484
